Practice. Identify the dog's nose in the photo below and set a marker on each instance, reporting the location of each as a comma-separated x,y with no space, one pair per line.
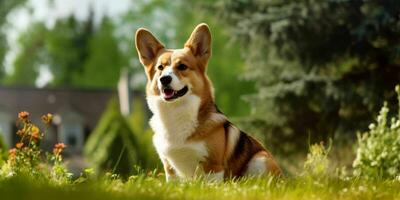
165,80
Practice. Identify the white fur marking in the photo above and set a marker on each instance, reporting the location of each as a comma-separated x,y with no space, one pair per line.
175,84
215,177
233,136
257,166
173,122
217,117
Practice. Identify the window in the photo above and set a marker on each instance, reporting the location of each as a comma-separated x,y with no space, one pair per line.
72,136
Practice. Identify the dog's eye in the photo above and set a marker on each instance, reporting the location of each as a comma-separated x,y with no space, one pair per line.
182,67
160,67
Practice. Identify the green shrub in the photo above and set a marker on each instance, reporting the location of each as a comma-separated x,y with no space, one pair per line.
3,150
317,162
378,152
113,146
138,121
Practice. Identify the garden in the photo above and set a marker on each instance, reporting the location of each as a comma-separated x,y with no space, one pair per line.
317,82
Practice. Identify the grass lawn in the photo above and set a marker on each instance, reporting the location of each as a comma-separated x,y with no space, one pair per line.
145,187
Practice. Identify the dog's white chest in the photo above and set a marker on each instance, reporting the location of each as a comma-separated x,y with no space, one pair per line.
173,123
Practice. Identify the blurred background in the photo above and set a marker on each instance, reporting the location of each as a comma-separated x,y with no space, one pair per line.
289,72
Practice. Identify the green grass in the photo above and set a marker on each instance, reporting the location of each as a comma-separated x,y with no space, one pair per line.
144,187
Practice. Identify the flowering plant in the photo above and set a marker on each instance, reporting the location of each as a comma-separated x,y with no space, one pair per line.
27,157
378,152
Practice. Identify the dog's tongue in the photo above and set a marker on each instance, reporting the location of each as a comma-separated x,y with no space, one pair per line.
168,93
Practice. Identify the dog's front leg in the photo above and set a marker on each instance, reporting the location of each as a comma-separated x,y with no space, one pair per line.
170,173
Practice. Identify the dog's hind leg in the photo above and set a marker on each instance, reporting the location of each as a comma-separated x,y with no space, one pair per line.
214,173
262,163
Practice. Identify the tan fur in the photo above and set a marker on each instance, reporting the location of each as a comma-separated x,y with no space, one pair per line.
229,149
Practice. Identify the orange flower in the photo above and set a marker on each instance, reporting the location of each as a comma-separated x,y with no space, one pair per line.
58,148
23,115
47,118
21,132
19,145
12,152
60,145
36,136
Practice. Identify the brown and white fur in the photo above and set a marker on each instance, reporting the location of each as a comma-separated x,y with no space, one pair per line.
192,136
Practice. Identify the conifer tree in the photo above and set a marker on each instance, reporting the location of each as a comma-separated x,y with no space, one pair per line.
112,146
320,67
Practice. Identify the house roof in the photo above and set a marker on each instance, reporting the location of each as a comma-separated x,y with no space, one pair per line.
90,103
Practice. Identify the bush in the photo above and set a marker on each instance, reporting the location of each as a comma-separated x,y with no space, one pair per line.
317,162
3,148
138,121
113,146
378,152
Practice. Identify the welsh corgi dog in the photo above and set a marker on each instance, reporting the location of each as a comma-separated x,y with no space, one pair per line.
191,136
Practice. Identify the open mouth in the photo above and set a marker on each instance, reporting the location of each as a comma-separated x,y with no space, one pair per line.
170,94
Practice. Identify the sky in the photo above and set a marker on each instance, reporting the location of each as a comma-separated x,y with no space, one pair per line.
41,10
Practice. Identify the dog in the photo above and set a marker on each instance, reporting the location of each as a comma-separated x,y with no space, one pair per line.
191,136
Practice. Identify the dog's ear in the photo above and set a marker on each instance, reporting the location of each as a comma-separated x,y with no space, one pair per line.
147,46
199,41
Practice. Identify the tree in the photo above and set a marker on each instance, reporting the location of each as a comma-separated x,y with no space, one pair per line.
67,49
321,67
6,6
105,60
77,53
62,49
30,58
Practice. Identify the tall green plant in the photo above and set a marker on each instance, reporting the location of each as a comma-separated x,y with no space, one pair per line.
138,121
113,146
3,149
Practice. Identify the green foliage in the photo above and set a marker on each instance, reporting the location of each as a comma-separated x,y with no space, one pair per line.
66,47
77,53
320,67
6,6
3,150
105,60
138,121
81,53
378,152
317,162
113,146
28,61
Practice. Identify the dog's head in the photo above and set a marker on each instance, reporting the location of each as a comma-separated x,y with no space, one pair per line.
173,74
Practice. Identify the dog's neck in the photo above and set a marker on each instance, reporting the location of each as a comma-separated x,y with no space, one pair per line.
179,120
174,120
